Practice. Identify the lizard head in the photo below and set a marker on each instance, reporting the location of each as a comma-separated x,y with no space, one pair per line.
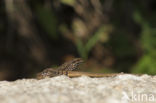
49,72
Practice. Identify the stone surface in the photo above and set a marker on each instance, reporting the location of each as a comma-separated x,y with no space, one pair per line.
124,88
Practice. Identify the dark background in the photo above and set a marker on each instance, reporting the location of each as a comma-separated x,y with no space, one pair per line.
110,35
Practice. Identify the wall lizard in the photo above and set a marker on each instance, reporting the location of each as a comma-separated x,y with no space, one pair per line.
67,69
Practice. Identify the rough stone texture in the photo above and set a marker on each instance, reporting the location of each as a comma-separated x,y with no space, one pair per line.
120,89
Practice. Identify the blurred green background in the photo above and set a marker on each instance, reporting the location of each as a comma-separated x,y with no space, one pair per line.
110,35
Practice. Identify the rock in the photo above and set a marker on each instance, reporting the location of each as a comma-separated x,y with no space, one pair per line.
125,88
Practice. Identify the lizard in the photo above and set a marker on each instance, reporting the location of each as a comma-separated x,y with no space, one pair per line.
63,69
67,69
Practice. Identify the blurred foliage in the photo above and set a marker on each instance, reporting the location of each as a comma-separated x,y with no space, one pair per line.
111,35
47,19
100,35
68,2
147,63
124,51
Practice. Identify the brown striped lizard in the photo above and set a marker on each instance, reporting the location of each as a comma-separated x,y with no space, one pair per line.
67,69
